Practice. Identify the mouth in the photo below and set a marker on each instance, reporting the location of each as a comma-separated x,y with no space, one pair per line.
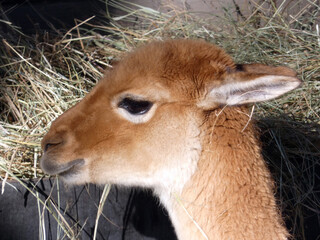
53,168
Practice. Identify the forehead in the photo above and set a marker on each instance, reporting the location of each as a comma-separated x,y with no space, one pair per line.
179,66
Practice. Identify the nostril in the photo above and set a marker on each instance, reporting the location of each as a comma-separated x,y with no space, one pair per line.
50,145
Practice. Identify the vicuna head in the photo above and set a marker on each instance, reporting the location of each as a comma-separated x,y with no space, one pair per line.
170,117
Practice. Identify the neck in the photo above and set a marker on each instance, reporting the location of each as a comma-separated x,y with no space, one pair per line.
230,196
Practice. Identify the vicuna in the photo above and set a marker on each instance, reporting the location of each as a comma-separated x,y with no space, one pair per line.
171,116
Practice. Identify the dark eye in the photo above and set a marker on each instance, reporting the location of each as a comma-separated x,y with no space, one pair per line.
135,107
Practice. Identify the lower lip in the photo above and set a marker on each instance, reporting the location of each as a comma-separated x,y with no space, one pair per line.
74,169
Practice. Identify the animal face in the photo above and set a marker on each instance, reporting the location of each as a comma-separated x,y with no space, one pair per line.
141,125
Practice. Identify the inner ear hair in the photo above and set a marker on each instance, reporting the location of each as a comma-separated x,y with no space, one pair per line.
264,69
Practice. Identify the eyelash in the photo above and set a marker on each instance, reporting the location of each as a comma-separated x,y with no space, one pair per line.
135,107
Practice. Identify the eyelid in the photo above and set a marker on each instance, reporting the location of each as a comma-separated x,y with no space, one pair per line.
135,107
133,97
134,118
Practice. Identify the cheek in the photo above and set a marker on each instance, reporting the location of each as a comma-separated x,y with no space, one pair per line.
171,142
143,154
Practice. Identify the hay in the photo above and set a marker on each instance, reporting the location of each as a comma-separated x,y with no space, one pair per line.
42,76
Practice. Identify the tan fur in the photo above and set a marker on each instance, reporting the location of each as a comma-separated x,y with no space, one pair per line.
203,161
235,200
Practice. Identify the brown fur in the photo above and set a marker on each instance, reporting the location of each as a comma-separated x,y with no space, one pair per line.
203,161
235,200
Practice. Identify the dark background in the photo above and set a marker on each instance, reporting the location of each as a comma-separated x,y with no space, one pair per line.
130,214
49,15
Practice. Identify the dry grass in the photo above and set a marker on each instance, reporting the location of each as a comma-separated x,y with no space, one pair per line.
43,76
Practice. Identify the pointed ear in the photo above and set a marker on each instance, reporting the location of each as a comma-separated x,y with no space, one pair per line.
265,69
252,83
